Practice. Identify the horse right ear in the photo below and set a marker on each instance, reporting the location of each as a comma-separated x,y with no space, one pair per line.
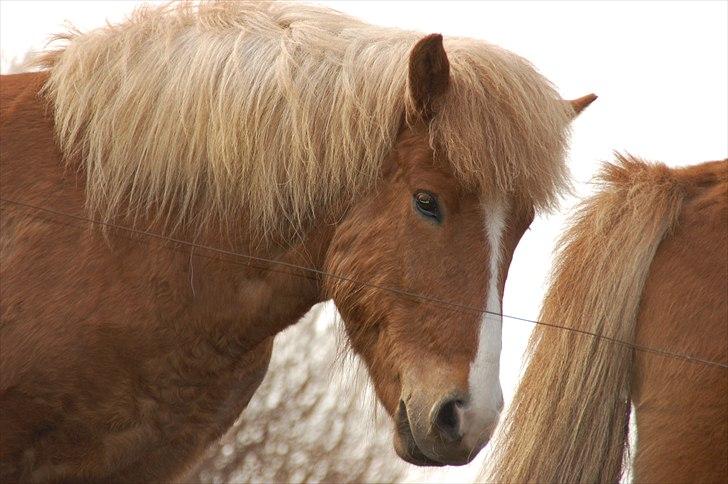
429,78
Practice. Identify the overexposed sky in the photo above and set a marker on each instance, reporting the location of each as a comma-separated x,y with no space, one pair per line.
660,69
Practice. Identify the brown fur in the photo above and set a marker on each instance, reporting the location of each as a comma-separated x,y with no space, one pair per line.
681,408
645,263
92,385
125,355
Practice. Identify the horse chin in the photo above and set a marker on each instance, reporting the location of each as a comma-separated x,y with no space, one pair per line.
404,442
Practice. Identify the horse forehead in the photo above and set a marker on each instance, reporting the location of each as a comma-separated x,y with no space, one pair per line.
423,169
494,215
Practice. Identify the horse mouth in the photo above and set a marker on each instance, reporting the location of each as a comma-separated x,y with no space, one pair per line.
405,444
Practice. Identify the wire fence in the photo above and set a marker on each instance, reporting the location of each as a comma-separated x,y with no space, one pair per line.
397,291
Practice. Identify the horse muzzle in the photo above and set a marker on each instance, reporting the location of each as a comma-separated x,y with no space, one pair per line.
441,433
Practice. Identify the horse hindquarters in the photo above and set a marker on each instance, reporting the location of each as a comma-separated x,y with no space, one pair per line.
682,407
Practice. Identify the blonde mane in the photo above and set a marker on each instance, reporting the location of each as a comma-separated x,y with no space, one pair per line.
265,114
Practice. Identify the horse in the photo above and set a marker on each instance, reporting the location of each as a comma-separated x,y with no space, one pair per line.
180,187
636,318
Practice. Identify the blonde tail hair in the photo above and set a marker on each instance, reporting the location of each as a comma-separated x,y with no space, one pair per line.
569,418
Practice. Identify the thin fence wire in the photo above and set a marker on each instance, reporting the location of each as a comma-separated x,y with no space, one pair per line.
392,290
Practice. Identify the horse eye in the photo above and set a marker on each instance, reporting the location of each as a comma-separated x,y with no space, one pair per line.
426,204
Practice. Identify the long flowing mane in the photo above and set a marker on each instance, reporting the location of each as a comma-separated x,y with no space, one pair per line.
264,114
569,417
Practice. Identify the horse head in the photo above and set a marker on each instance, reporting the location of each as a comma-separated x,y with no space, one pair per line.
434,255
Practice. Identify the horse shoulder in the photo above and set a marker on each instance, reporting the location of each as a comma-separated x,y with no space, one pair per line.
108,355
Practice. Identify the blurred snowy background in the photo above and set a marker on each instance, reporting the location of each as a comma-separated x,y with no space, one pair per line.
660,69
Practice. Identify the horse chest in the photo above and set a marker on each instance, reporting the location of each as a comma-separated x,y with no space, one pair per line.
205,390
187,408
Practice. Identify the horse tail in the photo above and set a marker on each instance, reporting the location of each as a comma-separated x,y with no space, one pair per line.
569,418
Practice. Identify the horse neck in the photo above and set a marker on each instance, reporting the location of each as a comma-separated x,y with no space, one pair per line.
277,284
214,284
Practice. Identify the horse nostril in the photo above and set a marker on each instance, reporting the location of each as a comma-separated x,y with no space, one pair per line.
447,419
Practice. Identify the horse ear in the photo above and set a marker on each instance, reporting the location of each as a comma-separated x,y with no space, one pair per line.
580,104
429,77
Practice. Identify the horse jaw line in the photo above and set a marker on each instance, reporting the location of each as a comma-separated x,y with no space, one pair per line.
486,397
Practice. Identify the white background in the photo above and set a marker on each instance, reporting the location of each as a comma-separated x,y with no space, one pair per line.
660,70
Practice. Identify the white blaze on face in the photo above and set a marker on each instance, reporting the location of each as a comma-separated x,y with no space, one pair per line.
486,397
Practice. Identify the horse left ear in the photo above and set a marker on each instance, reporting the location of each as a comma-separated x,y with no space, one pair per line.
580,104
429,77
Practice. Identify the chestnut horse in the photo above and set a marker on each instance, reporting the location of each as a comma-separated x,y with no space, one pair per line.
372,166
645,263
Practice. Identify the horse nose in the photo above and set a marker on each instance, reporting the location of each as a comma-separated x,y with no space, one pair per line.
450,431
446,418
